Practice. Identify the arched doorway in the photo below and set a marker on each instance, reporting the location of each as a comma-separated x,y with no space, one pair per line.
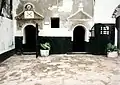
116,15
79,39
118,34
30,38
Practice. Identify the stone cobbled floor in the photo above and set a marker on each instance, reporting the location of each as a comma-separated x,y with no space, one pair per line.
78,69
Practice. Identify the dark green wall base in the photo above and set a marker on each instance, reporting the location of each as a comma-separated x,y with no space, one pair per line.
59,45
6,55
18,45
62,45
98,45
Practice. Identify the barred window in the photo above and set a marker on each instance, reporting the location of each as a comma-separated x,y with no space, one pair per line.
104,30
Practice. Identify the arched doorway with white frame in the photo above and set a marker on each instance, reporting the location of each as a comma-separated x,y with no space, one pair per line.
29,38
116,15
79,35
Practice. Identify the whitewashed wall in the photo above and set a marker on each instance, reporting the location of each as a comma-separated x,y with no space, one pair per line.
104,9
65,8
6,35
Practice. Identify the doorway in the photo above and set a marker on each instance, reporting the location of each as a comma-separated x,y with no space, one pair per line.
30,38
118,32
78,39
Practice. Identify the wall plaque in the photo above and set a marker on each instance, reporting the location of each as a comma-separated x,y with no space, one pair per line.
28,14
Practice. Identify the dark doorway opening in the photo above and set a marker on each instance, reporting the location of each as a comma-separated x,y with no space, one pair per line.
118,33
30,38
78,39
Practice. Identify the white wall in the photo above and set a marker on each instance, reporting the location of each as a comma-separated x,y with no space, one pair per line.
15,6
55,32
6,35
104,10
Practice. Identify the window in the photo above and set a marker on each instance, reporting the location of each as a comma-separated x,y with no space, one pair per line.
55,22
105,30
92,32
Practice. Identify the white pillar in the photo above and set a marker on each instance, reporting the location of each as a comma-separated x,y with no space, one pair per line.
116,33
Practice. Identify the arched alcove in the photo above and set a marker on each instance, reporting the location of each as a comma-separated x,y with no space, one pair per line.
79,39
30,38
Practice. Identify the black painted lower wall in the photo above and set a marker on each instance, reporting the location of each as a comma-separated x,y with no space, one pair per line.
18,45
98,45
59,45
62,45
6,55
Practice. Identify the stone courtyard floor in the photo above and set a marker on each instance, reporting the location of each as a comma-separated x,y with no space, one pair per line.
78,69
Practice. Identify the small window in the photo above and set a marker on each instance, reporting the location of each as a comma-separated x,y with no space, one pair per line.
105,30
55,22
92,32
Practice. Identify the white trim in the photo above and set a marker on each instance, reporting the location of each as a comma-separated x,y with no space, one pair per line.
39,14
116,37
79,25
86,32
84,20
87,14
20,14
78,12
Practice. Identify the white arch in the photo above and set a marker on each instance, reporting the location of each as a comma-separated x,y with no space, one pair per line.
86,32
23,31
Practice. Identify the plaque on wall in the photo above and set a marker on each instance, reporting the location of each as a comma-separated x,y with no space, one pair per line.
28,14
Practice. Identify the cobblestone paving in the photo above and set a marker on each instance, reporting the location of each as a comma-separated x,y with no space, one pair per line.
60,70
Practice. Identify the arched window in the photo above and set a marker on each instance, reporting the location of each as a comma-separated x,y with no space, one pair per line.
116,12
